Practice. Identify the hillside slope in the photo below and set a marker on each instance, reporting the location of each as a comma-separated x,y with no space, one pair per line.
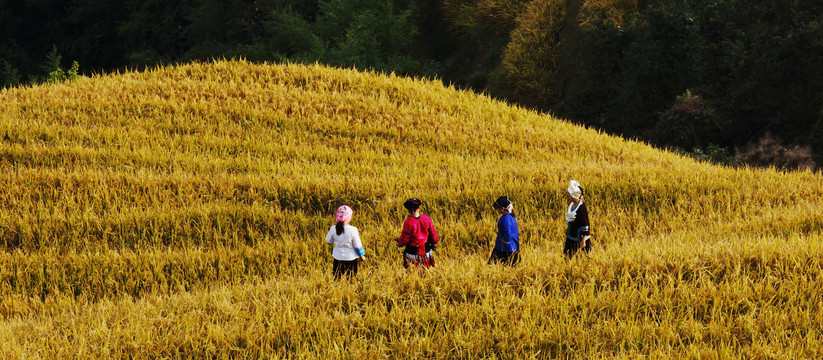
180,212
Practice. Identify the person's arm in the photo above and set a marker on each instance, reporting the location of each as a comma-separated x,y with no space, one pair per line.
330,239
583,215
357,244
330,236
406,235
509,225
514,232
433,233
502,232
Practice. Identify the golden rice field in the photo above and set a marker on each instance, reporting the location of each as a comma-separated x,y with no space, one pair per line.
180,213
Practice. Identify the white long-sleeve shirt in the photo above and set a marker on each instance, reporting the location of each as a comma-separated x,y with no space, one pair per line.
347,246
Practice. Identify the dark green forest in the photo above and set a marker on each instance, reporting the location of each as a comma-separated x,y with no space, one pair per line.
736,82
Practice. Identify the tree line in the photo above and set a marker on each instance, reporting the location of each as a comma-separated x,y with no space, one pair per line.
734,81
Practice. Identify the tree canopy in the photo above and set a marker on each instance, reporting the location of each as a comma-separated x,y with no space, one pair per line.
678,73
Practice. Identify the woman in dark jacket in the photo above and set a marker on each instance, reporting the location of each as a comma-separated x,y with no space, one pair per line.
577,220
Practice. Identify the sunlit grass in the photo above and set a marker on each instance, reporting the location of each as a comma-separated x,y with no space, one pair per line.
180,212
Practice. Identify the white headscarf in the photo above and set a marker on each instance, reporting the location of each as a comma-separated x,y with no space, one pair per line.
575,191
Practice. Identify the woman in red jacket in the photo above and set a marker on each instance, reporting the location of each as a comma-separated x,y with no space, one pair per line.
419,237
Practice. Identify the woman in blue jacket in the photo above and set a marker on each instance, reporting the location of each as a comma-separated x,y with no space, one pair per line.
507,246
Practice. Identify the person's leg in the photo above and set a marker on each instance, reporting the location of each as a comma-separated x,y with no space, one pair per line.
336,269
494,258
505,257
408,261
352,268
569,249
514,258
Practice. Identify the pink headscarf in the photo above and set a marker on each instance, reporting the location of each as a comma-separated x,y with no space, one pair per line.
344,213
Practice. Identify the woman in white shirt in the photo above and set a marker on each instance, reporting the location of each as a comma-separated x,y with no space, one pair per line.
347,246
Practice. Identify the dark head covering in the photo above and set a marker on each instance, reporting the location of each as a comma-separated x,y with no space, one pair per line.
502,202
412,204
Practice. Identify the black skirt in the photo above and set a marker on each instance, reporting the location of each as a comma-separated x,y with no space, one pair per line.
571,247
505,257
348,268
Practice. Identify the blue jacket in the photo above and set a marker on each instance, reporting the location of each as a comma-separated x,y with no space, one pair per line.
508,237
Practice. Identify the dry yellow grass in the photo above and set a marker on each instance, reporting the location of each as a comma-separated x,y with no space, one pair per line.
179,213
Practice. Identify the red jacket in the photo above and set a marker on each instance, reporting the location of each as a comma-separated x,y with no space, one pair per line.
416,232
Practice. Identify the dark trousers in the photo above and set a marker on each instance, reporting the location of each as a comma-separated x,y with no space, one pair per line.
504,257
348,268
571,247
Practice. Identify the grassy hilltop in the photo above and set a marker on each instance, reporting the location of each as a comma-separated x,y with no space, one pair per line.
180,212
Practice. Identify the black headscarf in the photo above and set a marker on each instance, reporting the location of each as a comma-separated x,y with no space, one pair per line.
502,202
412,204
